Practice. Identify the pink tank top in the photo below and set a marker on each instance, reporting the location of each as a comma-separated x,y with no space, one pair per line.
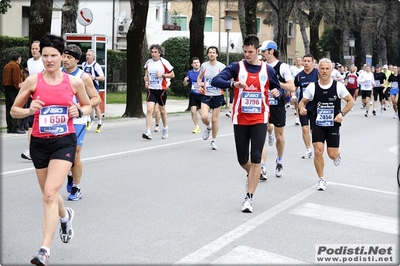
53,119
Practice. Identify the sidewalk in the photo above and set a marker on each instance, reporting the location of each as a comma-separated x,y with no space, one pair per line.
172,106
117,110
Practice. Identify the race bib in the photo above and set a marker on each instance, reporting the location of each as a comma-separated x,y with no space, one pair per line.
208,85
395,85
271,99
53,119
153,79
351,80
325,117
195,86
377,83
251,102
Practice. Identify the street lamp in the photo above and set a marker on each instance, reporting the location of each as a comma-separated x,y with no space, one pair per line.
228,26
352,42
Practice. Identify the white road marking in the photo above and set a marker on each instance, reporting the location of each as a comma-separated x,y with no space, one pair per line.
364,188
244,255
395,149
355,218
245,228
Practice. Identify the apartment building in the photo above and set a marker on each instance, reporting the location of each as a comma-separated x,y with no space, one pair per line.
112,18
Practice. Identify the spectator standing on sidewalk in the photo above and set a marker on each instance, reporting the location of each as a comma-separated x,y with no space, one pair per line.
12,79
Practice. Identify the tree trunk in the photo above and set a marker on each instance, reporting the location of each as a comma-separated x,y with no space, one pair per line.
242,18
282,8
135,39
196,27
250,8
41,12
69,16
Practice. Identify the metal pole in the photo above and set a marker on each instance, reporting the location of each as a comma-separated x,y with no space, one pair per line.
113,26
219,25
227,47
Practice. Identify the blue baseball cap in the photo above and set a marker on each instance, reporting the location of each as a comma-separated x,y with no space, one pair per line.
268,45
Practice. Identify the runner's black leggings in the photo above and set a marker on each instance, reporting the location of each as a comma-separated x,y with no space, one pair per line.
253,135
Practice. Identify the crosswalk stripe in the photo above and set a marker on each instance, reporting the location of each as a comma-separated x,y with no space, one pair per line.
245,255
359,219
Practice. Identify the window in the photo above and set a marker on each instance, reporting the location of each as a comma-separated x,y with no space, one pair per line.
290,61
208,25
157,13
290,29
258,25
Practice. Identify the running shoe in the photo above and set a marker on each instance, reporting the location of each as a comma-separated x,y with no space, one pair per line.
382,109
70,181
196,130
247,205
164,133
229,114
271,139
396,116
307,155
297,121
147,135
363,106
98,129
76,194
214,145
321,185
366,115
88,125
374,112
206,133
263,174
156,128
278,169
336,162
66,231
26,155
41,258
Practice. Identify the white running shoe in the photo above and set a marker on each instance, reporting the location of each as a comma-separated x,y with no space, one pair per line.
66,231
164,133
206,133
307,155
147,135
263,175
321,184
214,145
336,162
26,155
271,139
278,169
297,121
156,129
247,205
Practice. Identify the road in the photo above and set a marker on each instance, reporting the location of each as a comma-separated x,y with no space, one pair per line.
176,201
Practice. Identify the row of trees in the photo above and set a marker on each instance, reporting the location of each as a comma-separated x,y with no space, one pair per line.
373,23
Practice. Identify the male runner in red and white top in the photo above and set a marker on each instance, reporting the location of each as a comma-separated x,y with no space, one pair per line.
157,71
253,82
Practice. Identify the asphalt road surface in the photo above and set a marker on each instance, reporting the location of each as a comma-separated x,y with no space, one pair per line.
176,201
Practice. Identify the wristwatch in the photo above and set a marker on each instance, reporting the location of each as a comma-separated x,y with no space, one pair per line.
80,113
343,114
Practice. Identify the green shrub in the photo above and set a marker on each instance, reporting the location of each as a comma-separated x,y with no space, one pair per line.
8,42
177,52
116,67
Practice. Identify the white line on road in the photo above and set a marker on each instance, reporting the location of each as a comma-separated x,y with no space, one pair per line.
244,255
364,188
243,229
121,153
394,149
355,218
